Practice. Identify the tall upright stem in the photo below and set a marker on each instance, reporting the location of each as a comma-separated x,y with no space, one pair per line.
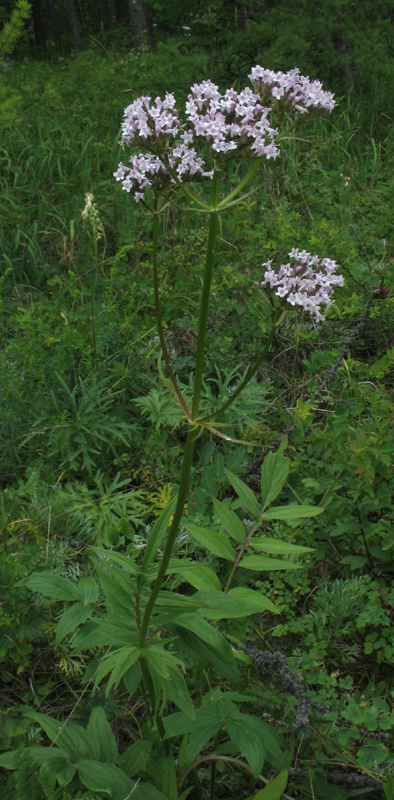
93,297
193,430
206,290
158,315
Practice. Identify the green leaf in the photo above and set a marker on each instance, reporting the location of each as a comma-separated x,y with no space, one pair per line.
247,497
65,775
50,585
119,589
389,787
292,512
178,692
70,619
132,679
206,645
54,758
230,521
135,758
276,547
160,660
117,662
169,779
266,564
355,562
248,740
216,543
218,605
70,737
275,789
100,730
11,760
208,726
145,791
198,575
157,534
274,472
103,632
87,590
105,778
253,600
124,561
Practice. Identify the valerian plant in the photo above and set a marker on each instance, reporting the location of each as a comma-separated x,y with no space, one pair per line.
149,633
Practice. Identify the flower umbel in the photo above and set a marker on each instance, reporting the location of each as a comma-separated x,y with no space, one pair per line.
296,89
308,283
231,121
143,121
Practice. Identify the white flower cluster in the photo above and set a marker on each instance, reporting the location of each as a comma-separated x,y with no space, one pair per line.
148,170
296,89
143,121
230,120
309,283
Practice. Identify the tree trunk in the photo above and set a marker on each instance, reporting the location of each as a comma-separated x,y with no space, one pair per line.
72,15
244,19
112,11
140,22
54,28
39,32
96,16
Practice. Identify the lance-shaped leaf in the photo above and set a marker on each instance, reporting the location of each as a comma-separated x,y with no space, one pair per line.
216,543
290,513
157,534
100,730
51,585
246,496
276,547
230,521
105,778
87,590
255,601
266,564
274,790
198,575
274,472
69,621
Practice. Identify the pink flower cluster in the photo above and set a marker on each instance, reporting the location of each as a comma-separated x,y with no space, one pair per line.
231,120
143,121
296,89
149,170
309,283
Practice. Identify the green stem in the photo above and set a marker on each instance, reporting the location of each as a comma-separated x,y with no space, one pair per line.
206,290
178,513
93,297
150,692
199,203
193,431
240,554
158,315
223,203
248,377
